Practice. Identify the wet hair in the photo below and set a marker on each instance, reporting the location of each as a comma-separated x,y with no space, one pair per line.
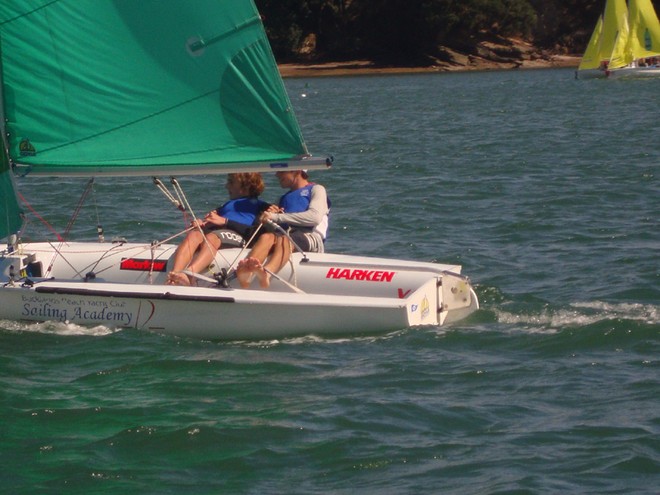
250,182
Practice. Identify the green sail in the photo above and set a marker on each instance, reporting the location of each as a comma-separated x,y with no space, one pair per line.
115,87
11,219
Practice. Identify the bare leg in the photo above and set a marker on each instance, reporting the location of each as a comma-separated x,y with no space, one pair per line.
279,257
184,253
263,246
205,254
194,253
247,267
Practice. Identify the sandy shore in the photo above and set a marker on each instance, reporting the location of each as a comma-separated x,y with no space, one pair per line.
365,67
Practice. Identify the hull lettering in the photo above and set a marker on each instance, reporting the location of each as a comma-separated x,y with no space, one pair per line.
143,265
361,275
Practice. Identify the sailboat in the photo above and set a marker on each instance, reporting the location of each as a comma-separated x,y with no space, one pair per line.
117,88
624,43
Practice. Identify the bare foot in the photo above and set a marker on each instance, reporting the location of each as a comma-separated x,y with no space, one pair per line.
247,269
243,273
263,276
177,278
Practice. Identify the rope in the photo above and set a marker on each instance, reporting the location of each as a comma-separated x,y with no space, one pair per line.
288,236
180,195
159,184
254,234
179,190
294,274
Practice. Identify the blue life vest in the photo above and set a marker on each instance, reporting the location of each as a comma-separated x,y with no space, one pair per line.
242,210
297,200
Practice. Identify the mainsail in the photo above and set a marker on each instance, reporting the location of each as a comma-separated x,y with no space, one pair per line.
119,87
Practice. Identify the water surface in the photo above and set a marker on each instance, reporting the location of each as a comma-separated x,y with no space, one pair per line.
544,188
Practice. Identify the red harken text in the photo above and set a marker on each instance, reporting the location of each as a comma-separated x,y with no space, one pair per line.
143,265
366,275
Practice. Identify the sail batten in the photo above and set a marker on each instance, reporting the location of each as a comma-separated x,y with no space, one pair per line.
198,45
94,87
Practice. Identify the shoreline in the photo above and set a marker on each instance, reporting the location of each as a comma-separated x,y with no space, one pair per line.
366,67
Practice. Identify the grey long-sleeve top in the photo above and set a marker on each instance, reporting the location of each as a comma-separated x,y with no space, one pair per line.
314,218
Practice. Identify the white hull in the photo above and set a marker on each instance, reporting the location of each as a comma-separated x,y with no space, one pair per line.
622,73
633,72
123,286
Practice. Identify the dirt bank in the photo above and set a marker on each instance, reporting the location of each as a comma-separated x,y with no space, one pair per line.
490,53
365,67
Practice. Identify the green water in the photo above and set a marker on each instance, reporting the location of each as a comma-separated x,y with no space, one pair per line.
544,188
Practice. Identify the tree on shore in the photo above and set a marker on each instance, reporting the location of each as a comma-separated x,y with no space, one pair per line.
415,32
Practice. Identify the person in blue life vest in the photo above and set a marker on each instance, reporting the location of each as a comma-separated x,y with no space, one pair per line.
230,225
303,211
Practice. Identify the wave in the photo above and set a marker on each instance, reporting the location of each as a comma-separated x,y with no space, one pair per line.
581,314
55,328
534,316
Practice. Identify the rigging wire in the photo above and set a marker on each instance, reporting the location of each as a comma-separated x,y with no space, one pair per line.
99,227
179,204
67,231
39,217
116,249
254,234
179,191
76,212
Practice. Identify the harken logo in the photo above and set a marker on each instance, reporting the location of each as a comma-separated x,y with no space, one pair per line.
364,275
143,265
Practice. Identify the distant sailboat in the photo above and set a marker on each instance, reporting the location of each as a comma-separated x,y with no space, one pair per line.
596,57
625,42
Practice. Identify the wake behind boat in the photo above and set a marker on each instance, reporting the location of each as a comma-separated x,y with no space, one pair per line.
104,88
625,42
